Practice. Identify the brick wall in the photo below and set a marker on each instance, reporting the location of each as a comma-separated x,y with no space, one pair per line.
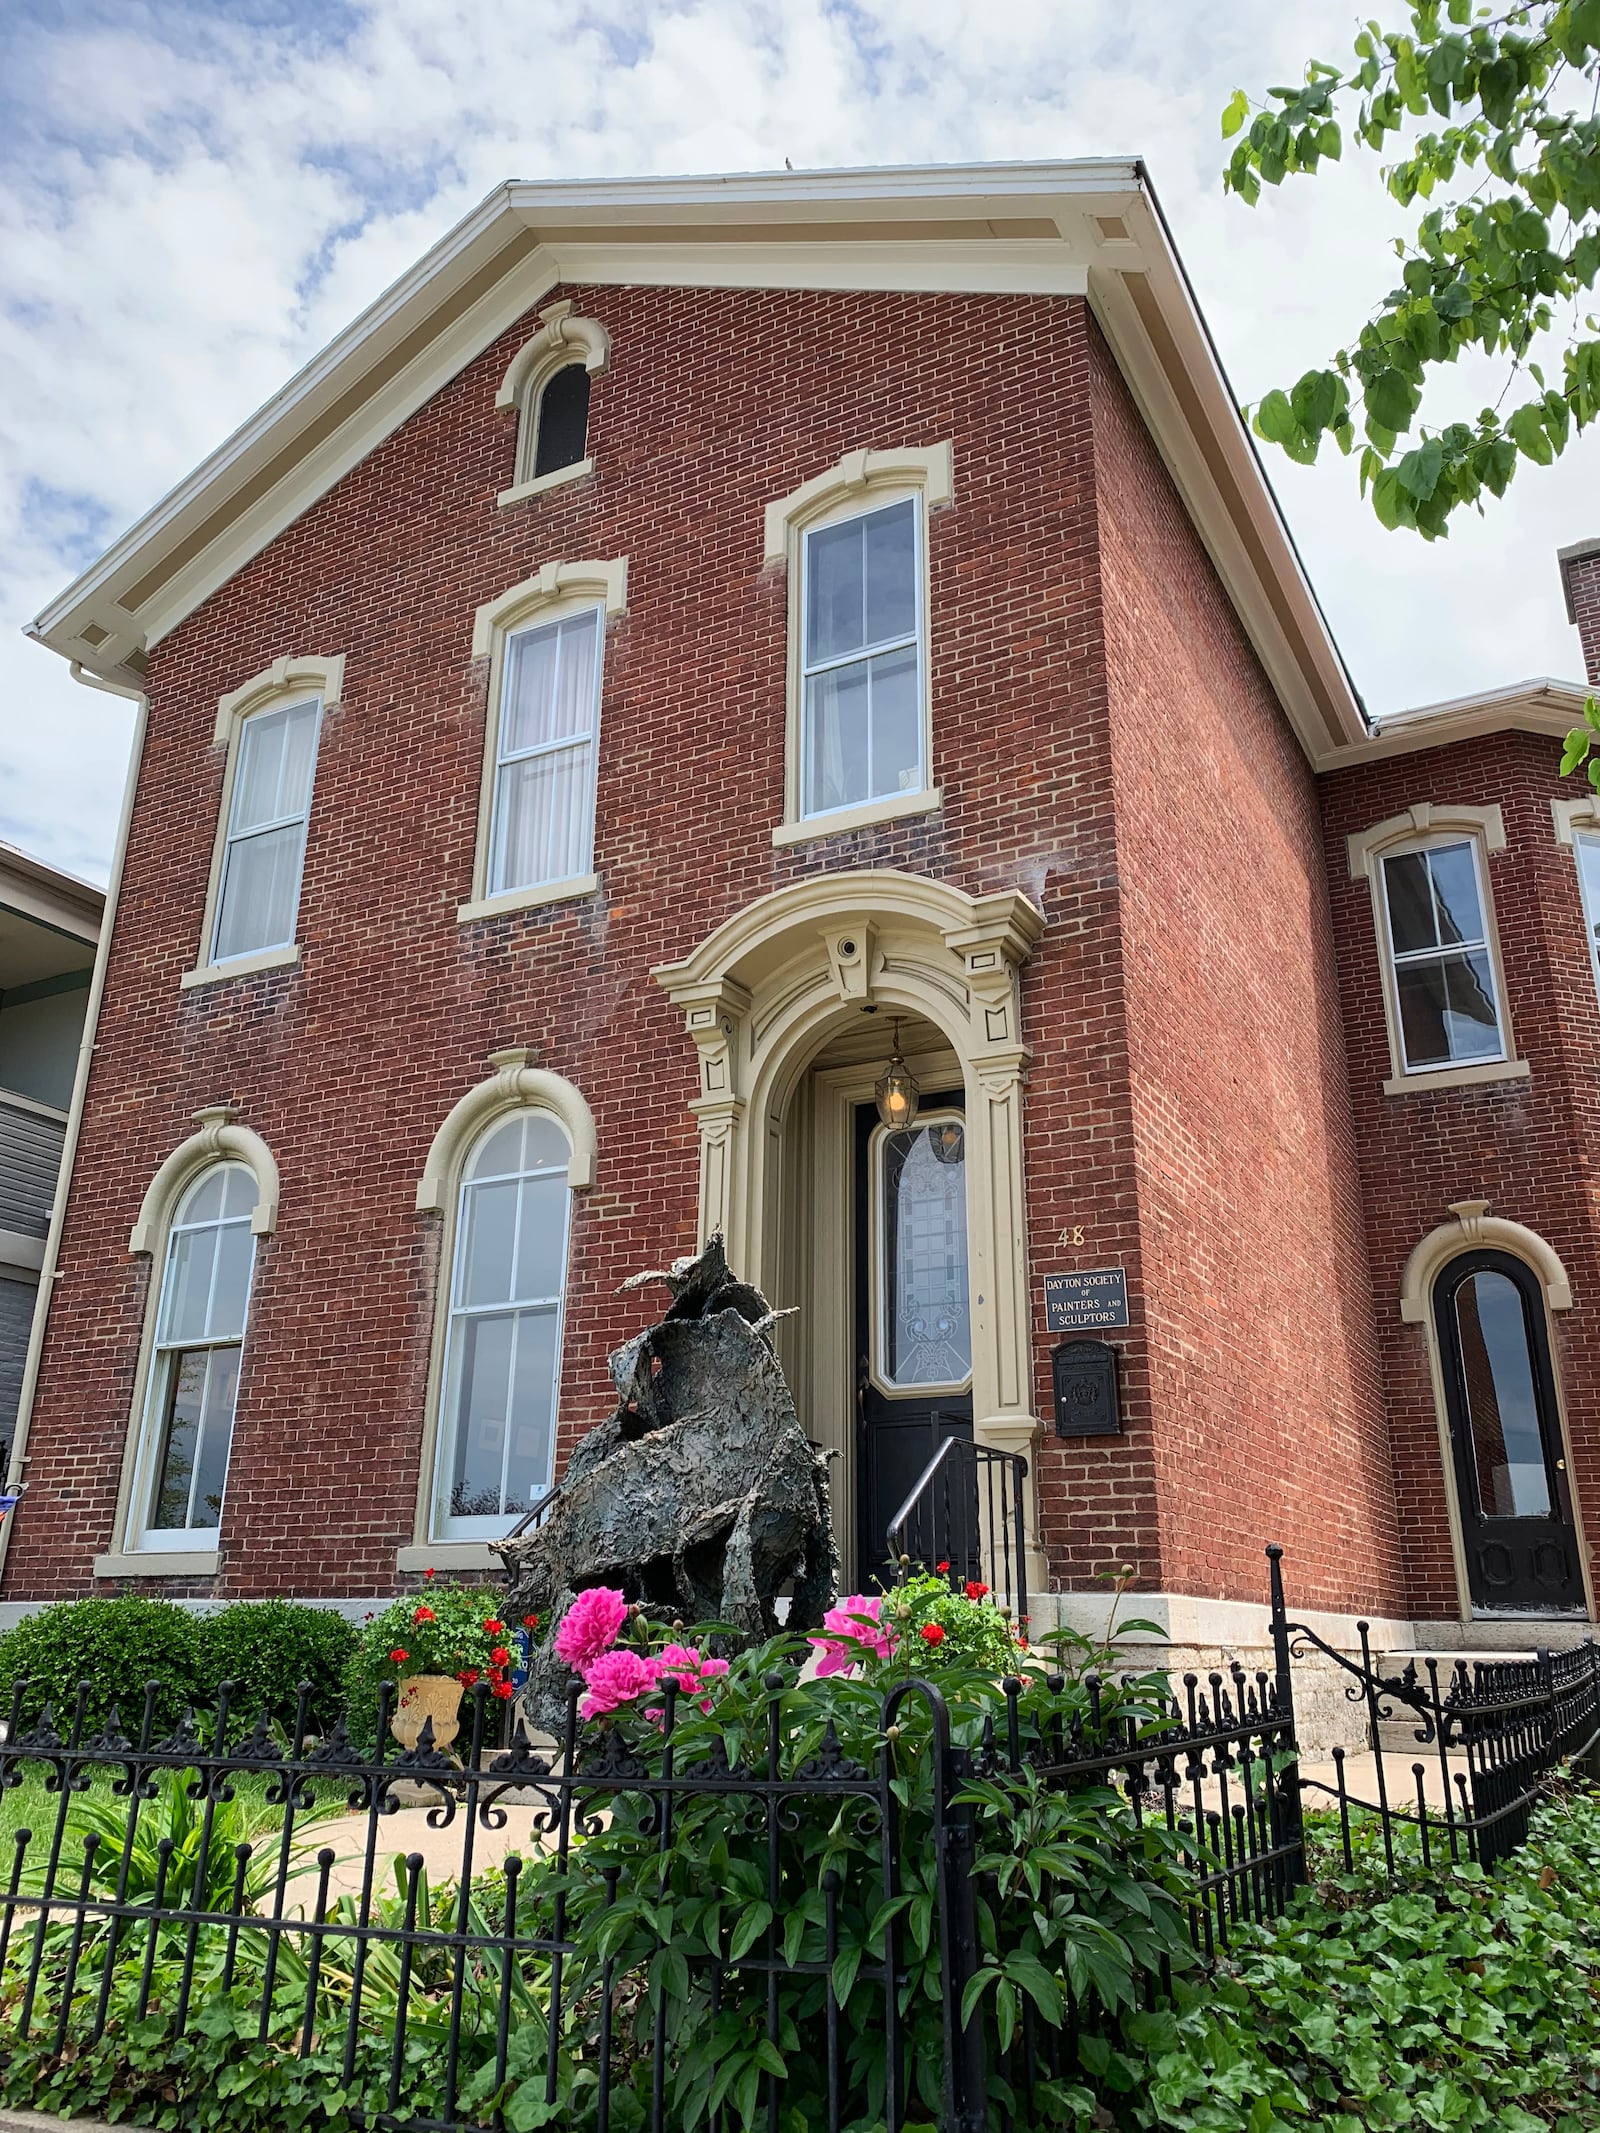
1522,1145
1580,578
1258,1317
715,402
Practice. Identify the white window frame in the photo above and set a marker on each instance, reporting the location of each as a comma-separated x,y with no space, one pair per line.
1405,959
1578,824
564,744
916,639
879,1302
286,683
443,1527
560,591
142,1538
563,339
233,836
1422,827
861,482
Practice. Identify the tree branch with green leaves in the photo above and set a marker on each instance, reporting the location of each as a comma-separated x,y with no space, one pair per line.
1505,244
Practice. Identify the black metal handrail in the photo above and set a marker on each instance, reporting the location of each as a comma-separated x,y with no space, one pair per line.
968,1507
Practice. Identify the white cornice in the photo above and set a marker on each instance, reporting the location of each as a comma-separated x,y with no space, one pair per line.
1540,705
1079,228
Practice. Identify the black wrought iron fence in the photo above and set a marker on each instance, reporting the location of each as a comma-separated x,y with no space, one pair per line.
808,1907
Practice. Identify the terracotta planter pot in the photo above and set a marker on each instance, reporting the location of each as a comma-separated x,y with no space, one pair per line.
425,1696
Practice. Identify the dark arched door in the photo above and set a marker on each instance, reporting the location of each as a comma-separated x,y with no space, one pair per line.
1510,1464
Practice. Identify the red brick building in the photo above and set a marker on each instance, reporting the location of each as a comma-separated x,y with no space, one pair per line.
691,647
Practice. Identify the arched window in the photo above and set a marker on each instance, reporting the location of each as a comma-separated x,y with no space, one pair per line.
562,422
193,1380
502,1360
1500,1396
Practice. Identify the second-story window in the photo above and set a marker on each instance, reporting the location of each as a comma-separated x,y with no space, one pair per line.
1586,845
258,899
542,823
861,660
1449,1009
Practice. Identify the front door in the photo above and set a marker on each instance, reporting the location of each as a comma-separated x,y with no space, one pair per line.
1510,1463
913,1326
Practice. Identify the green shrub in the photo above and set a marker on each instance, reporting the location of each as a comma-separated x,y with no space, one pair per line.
116,1646
267,1648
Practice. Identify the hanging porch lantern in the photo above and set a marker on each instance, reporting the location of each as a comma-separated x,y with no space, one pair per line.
897,1090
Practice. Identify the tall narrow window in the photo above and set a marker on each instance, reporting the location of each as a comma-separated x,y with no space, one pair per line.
562,434
503,1345
1443,969
543,808
258,900
861,661
194,1376
1587,847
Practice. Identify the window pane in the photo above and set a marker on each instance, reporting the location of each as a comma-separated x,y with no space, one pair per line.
541,1238
836,739
277,754
891,573
260,891
549,684
1411,913
896,724
1447,1010
1455,885
529,1458
925,1331
238,1190
835,592
489,1217
498,1154
197,1426
206,1199
186,1296
544,809
1502,1403
230,1294
1587,850
563,420
479,1409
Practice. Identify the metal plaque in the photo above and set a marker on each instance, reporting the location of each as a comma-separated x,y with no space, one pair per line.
1074,1302
1085,1378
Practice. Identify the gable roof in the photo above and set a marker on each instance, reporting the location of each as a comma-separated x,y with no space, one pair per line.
1090,228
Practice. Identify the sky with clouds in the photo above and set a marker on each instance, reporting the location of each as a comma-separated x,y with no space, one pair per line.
196,194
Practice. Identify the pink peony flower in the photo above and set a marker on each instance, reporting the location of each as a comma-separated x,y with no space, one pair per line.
589,1627
615,1678
679,1663
842,1629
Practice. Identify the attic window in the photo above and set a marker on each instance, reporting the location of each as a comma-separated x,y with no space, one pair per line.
548,386
562,421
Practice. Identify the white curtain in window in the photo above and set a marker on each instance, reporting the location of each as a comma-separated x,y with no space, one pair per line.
194,1377
503,1345
543,819
260,896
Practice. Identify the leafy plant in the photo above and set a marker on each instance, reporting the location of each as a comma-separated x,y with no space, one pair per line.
1491,116
117,1647
267,1648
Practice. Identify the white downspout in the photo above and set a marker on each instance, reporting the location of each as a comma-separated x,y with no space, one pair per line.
80,1083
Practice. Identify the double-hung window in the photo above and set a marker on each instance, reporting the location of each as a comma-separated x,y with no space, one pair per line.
542,810
194,1373
502,1362
862,661
1444,975
258,898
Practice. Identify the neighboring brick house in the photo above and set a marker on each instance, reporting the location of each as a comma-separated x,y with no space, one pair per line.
690,644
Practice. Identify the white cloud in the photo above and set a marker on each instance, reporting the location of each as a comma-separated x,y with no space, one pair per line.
197,195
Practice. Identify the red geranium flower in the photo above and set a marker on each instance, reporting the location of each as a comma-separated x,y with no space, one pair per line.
427,1573
503,1689
493,1627
397,1657
530,1621
932,1633
424,1614
975,1591
499,1656
467,1676
942,1567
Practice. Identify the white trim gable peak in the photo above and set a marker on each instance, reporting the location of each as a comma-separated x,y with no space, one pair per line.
1089,228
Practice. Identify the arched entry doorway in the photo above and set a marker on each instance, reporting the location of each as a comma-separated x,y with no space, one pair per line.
789,1005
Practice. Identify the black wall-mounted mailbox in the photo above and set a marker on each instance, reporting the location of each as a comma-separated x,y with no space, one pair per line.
1085,1377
